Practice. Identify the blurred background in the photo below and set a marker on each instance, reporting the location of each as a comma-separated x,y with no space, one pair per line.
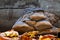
11,10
